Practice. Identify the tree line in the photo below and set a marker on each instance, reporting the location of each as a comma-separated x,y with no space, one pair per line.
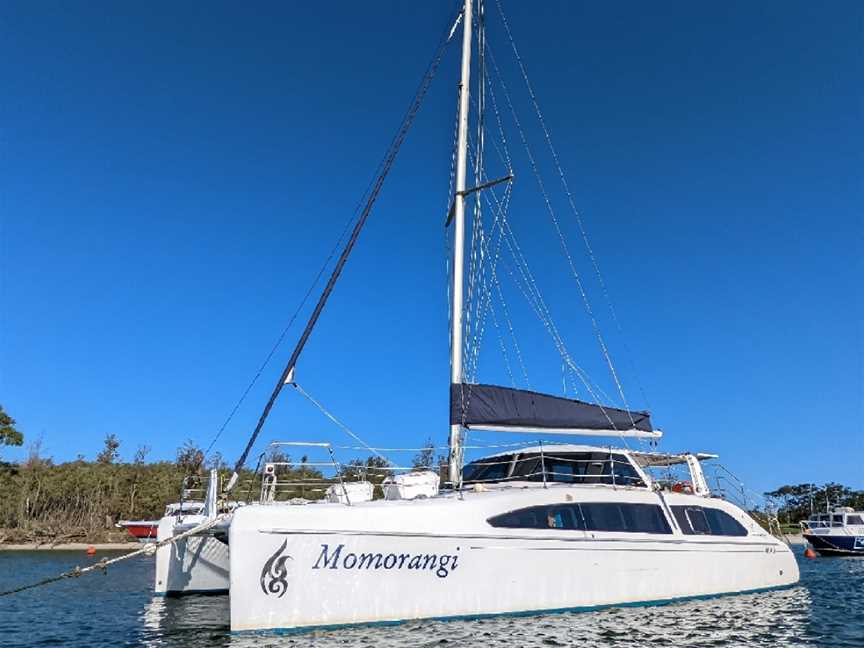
81,500
797,502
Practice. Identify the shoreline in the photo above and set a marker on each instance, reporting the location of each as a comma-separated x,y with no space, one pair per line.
71,546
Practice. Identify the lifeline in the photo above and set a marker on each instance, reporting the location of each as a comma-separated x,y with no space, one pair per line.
441,564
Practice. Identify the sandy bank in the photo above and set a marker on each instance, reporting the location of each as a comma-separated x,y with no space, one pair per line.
72,546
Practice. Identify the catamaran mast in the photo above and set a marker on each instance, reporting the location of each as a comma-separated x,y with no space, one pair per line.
455,459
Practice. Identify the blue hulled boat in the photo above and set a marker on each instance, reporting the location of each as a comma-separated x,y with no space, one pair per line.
838,533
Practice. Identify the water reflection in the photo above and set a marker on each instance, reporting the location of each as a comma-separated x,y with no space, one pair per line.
187,621
826,609
768,619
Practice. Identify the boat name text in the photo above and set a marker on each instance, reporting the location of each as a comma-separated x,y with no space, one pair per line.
441,564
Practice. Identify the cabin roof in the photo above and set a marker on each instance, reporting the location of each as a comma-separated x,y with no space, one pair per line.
554,448
643,459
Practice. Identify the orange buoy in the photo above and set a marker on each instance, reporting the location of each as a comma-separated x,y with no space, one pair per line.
91,550
809,553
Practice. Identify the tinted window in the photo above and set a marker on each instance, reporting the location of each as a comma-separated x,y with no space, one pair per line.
699,520
490,468
527,518
563,517
646,518
692,520
721,523
836,520
572,468
560,471
594,516
854,519
624,473
528,468
603,517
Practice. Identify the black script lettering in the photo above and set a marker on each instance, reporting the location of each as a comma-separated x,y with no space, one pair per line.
442,566
325,556
367,558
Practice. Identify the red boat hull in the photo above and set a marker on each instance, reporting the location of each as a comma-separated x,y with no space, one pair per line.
141,531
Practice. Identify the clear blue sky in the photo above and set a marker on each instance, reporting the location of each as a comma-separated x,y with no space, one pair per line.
173,176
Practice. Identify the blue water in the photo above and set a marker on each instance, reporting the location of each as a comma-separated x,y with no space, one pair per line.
825,609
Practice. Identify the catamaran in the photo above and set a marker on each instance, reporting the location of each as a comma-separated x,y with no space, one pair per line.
536,528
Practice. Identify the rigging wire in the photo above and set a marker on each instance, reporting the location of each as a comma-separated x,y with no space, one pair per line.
537,302
390,158
577,215
282,335
103,564
363,198
586,302
339,423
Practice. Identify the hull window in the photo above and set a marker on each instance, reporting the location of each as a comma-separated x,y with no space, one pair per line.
700,520
594,516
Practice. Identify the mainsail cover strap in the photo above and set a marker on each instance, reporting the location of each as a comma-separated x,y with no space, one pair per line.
502,407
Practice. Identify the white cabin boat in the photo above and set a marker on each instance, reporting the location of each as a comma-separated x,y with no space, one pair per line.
539,529
838,533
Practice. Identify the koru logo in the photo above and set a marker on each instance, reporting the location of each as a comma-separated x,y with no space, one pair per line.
274,576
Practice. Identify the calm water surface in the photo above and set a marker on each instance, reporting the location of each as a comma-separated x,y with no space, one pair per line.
826,609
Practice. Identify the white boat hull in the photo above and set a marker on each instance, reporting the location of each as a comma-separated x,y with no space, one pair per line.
296,567
194,565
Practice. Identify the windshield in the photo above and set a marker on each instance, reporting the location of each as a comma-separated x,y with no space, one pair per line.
570,467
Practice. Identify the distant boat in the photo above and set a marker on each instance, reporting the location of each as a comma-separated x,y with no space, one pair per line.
837,533
198,564
145,530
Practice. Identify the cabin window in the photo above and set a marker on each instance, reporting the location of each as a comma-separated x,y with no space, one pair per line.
577,468
624,473
560,471
570,468
603,517
836,520
854,519
563,517
593,516
527,468
528,518
692,520
699,520
722,523
632,518
488,469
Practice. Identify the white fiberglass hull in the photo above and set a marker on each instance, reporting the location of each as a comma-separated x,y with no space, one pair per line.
325,565
194,565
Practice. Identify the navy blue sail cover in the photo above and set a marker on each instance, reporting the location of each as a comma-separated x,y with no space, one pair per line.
494,406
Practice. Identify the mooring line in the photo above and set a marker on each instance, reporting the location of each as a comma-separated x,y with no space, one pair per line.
105,563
